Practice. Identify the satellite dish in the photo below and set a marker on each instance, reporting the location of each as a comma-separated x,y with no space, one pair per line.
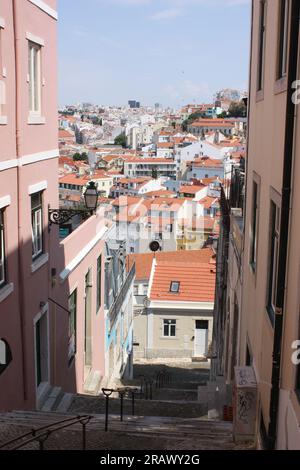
147,302
154,246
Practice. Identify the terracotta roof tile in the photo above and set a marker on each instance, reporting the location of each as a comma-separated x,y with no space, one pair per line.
144,261
197,281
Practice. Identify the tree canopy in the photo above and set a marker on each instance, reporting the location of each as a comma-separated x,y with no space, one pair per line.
193,117
121,140
237,109
77,157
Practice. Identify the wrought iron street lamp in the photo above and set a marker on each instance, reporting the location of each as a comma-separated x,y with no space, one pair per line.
91,197
62,216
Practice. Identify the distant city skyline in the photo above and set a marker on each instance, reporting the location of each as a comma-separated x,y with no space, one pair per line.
169,51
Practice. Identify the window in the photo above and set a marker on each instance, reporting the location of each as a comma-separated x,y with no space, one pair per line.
170,328
37,224
175,286
273,259
72,325
145,289
1,33
5,355
3,119
254,225
262,39
99,282
34,74
284,14
2,98
2,250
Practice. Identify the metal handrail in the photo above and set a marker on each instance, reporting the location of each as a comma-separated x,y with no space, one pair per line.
46,431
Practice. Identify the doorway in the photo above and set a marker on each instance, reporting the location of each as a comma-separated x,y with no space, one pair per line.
201,338
42,350
88,324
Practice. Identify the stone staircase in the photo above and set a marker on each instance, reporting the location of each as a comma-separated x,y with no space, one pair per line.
93,383
135,433
177,418
56,400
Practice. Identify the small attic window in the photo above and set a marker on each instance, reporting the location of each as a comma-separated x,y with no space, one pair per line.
174,287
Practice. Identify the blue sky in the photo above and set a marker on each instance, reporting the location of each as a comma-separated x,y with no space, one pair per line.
166,51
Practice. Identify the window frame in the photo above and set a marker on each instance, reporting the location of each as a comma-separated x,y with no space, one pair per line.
99,283
2,26
34,79
3,117
254,225
261,45
274,240
170,325
283,38
36,253
3,261
172,290
72,326
135,290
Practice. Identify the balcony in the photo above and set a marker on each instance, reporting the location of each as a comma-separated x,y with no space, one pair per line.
115,309
237,189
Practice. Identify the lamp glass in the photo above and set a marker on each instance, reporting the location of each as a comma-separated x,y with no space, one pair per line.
91,196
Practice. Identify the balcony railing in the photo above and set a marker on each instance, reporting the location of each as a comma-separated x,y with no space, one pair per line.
237,189
117,305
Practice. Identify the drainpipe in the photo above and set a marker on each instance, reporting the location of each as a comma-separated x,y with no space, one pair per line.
21,277
248,115
285,221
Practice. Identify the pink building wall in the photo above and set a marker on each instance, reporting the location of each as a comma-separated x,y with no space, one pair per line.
90,234
28,164
26,148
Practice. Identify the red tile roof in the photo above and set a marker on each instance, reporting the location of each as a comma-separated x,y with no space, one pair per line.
191,189
161,193
62,134
144,261
198,223
207,163
197,281
73,178
167,145
124,201
66,161
208,202
212,123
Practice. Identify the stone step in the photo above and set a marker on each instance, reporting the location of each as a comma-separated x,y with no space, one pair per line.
93,383
65,403
174,432
172,408
140,424
53,399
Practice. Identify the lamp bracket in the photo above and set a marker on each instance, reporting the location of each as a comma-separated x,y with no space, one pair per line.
62,216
